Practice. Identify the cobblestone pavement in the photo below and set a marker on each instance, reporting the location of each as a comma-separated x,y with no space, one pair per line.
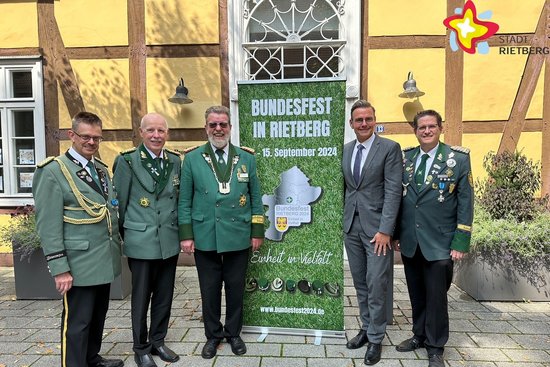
483,334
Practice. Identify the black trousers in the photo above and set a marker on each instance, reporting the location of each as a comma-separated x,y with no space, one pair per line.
428,283
82,322
214,269
152,282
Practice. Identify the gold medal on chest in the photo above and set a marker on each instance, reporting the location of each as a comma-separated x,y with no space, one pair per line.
242,200
144,202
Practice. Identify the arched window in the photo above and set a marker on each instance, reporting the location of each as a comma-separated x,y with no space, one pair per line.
293,39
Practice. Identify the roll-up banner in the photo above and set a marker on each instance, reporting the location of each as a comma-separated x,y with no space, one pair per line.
295,282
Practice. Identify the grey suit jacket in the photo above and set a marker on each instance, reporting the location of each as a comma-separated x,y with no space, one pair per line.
377,197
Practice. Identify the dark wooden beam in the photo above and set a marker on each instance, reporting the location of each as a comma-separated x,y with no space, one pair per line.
224,51
176,134
545,140
468,127
527,85
51,102
454,85
138,63
365,46
23,51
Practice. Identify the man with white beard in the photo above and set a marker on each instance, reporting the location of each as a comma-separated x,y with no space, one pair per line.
220,215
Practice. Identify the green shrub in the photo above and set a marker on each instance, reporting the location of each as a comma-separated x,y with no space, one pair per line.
509,190
20,232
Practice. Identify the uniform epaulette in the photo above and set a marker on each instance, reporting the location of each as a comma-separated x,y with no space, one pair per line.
249,150
128,150
460,149
187,150
408,148
45,162
173,151
100,161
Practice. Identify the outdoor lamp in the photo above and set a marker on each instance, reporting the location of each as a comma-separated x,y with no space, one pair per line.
181,95
410,89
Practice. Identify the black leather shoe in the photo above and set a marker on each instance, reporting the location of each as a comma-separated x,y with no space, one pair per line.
144,360
237,345
210,348
358,340
103,362
436,360
165,353
409,345
373,354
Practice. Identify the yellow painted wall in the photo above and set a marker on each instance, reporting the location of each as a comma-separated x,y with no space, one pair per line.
181,22
201,77
104,86
4,218
85,23
388,69
403,17
490,85
513,16
18,24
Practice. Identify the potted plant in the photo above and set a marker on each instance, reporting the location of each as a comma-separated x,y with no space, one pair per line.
509,258
32,277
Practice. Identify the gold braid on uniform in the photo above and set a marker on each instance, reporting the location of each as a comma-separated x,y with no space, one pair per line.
96,211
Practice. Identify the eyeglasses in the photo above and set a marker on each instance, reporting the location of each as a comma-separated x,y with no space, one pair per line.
427,127
213,125
96,139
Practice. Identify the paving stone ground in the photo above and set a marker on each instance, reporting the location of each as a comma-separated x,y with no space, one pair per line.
483,334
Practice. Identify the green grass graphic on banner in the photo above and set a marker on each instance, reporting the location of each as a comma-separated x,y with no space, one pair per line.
297,130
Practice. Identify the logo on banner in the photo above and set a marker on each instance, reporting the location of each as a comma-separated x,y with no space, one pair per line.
282,224
469,30
289,207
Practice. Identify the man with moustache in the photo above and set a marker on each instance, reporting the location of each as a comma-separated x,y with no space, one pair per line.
147,184
433,230
372,168
220,216
76,213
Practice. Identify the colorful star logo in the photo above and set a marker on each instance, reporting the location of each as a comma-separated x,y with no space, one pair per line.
467,29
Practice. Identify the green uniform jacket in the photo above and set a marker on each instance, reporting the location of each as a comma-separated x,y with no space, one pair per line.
85,243
438,216
148,206
215,221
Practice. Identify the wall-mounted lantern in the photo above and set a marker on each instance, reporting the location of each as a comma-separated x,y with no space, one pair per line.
181,95
410,89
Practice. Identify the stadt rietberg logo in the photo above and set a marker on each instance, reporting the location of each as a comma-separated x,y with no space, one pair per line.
469,30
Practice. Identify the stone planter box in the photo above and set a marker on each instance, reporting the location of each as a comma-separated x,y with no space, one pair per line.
33,279
490,281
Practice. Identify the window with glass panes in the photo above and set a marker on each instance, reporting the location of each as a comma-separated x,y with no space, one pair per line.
21,128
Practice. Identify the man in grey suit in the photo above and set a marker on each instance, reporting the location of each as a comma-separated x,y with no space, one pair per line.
147,184
372,168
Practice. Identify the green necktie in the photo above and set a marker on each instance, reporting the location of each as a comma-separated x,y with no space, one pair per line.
221,161
93,173
158,162
420,171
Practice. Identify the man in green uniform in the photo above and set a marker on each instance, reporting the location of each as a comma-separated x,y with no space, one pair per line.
433,230
76,219
220,217
146,179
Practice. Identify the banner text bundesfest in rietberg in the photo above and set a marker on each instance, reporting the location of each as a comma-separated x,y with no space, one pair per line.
295,280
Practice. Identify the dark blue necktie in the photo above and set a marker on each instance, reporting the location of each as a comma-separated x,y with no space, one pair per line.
357,163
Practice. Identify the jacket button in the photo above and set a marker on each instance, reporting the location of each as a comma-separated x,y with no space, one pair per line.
232,219
217,205
233,206
217,219
418,226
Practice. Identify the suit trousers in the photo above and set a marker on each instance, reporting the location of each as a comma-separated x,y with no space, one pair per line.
152,282
82,322
371,274
214,269
428,283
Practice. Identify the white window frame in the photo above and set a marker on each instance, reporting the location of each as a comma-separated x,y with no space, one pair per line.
351,54
10,197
